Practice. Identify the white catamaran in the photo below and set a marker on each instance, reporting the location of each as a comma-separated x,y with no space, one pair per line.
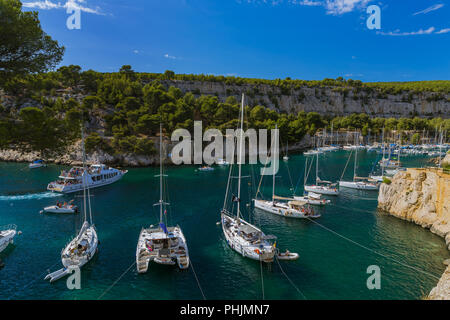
162,245
83,247
243,237
96,175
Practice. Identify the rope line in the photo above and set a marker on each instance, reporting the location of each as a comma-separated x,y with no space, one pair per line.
290,281
198,282
117,280
371,250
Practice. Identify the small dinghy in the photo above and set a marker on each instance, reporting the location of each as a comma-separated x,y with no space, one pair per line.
61,208
37,164
290,256
206,168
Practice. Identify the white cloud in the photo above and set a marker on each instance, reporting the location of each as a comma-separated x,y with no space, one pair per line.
429,9
334,7
397,32
136,51
167,56
447,30
338,7
72,4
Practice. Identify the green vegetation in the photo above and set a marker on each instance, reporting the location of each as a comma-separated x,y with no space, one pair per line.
25,47
387,180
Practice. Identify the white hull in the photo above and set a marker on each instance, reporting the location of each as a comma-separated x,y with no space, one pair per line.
255,249
71,256
36,165
283,210
56,209
377,178
71,184
314,202
359,185
322,190
6,237
155,246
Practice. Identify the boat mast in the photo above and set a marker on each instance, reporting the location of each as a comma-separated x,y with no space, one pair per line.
356,160
317,167
160,176
273,177
240,158
84,172
382,161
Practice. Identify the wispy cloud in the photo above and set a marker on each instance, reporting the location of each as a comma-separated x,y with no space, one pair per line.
429,9
69,4
447,30
332,7
167,56
397,32
338,7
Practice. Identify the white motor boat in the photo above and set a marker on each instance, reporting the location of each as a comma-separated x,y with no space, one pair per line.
61,208
83,247
96,175
7,234
37,164
161,245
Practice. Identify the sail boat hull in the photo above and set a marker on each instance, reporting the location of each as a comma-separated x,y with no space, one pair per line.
249,247
81,249
283,210
322,190
359,185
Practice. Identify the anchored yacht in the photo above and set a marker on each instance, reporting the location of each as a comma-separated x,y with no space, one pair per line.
7,234
161,245
96,175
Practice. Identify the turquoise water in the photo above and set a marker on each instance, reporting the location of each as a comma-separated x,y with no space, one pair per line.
330,267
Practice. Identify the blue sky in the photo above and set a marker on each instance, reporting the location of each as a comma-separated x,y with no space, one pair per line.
302,39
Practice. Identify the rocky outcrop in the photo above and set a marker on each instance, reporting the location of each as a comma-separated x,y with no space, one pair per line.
423,197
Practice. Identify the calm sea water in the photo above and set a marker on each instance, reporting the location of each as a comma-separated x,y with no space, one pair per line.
334,255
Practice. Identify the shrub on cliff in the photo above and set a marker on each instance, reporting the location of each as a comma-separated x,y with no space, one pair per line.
387,180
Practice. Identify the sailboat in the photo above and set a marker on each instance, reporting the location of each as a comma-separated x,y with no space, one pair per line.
286,157
360,183
311,197
290,209
243,237
375,177
83,247
162,245
322,186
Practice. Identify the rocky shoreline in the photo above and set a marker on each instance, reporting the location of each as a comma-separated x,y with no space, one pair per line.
73,155
423,197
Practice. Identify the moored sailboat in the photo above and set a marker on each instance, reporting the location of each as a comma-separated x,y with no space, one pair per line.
84,246
243,237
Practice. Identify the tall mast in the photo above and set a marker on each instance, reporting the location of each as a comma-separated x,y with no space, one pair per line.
83,176
240,157
382,161
273,177
317,167
354,169
160,176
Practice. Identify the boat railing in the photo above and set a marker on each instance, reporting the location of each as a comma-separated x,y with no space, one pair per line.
8,227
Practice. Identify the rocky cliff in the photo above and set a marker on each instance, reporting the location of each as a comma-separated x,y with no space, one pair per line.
423,197
324,100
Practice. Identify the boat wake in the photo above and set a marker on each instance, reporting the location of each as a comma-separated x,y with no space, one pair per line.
29,196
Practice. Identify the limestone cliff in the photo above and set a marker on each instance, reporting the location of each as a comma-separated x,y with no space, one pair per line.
423,197
324,100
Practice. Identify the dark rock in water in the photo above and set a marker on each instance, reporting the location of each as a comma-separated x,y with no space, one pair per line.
1,264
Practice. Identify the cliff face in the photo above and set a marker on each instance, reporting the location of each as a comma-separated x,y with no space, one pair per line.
325,101
422,196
